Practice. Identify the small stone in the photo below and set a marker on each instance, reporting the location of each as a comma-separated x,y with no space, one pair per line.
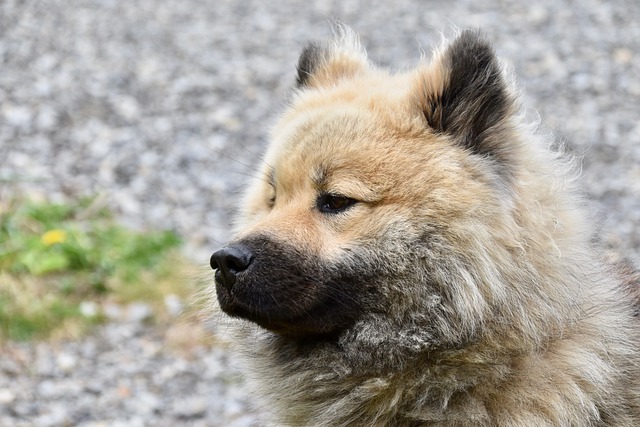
56,415
139,312
44,365
191,407
89,309
623,55
173,304
66,362
10,367
18,116
127,107
47,118
48,389
6,396
112,311
169,371
145,404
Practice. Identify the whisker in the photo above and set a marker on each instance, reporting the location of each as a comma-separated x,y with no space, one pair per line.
248,166
217,242
254,155
256,174
243,173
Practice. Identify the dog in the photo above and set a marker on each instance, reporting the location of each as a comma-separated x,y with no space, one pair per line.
414,253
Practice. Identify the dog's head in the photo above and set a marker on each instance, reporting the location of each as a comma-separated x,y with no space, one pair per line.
378,197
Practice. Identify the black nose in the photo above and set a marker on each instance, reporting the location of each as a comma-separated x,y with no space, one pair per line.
229,261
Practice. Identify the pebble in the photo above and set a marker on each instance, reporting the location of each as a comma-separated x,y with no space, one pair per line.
164,107
6,396
88,308
138,312
173,304
191,407
66,362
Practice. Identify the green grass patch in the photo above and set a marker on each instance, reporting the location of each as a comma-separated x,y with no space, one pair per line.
54,258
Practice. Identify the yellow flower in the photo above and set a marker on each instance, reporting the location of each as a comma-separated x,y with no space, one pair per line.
52,237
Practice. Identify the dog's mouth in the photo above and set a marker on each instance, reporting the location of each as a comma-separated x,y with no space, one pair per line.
282,319
283,290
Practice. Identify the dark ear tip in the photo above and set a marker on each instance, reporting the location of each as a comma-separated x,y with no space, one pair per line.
475,96
475,34
309,59
474,45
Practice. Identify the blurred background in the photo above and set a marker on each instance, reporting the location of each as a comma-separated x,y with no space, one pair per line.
127,131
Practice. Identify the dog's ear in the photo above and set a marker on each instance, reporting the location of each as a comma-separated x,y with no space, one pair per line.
322,65
464,94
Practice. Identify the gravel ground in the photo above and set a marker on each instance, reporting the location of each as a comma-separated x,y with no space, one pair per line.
127,374
163,107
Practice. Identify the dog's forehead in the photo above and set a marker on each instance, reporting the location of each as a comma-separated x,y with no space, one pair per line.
347,131
323,133
349,111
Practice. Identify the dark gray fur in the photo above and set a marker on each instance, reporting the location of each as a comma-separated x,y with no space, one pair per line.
310,57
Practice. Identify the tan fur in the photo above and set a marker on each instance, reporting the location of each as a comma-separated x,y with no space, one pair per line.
500,312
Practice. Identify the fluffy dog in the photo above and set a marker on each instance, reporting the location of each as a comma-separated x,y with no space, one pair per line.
413,254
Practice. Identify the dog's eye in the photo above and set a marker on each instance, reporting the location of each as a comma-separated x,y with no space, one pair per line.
271,200
271,180
334,203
